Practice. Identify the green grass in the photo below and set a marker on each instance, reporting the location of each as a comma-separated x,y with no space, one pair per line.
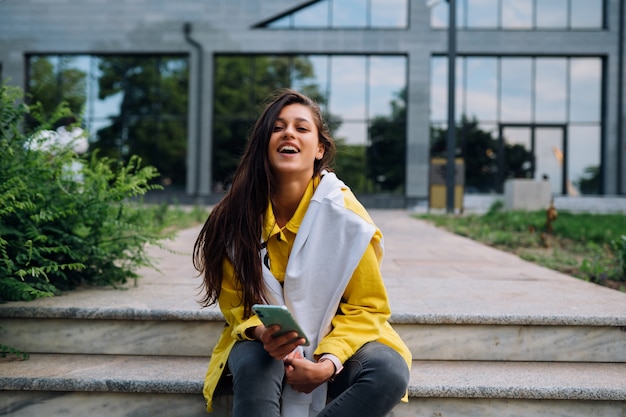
174,217
588,246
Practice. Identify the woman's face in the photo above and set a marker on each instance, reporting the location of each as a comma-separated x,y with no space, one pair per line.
294,144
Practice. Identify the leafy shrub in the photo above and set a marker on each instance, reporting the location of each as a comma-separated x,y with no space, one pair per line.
57,230
619,246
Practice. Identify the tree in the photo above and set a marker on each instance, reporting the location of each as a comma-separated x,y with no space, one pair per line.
479,150
152,120
589,182
387,143
49,87
241,83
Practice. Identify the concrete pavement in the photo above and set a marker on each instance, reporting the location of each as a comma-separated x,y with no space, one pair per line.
432,276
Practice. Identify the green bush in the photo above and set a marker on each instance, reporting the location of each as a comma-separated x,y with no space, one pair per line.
619,246
61,228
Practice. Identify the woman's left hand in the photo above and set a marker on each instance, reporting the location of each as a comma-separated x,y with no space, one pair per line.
304,375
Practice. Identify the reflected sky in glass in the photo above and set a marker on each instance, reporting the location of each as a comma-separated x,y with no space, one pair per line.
586,14
482,13
389,13
315,15
482,88
387,77
550,90
517,14
585,89
565,91
551,14
347,86
515,89
349,13
521,14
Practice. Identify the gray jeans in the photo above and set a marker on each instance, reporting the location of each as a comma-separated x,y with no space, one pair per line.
372,382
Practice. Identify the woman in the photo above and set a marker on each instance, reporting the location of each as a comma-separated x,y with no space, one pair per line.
289,232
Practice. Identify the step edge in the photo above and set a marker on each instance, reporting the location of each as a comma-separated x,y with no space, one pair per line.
8,312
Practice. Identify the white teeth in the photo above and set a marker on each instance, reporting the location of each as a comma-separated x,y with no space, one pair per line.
288,149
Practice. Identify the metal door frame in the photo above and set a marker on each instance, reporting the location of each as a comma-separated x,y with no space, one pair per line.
533,127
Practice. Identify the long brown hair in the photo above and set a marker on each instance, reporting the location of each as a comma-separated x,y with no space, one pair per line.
233,229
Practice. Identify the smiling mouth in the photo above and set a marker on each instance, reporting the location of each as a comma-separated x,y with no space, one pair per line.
288,149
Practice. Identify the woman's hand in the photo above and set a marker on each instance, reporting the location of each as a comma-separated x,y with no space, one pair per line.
304,375
278,347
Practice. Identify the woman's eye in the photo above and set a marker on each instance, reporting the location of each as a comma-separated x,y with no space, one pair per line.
303,129
278,128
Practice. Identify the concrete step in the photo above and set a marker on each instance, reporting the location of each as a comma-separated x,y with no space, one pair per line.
119,385
154,333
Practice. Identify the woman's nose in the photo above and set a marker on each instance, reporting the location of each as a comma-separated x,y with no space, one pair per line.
289,131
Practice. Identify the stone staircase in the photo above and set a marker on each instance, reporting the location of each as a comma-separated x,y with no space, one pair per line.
491,335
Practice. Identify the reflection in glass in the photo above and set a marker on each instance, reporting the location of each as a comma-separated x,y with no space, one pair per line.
549,157
551,14
438,88
482,89
586,14
550,90
583,158
315,15
482,13
517,136
349,13
146,115
439,14
310,76
387,77
353,133
388,13
346,14
282,23
585,89
515,89
347,87
517,14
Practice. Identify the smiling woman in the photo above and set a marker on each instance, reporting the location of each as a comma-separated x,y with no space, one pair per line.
289,232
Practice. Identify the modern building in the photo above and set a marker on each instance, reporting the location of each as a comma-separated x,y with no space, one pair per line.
539,85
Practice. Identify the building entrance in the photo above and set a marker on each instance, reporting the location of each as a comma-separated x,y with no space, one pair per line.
536,151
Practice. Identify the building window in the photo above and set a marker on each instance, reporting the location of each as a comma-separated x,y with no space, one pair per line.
344,14
530,117
362,97
128,104
522,14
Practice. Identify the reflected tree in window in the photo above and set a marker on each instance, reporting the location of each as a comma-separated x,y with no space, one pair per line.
387,143
152,121
479,150
53,80
242,82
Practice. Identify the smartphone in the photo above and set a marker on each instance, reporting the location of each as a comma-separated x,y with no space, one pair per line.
280,315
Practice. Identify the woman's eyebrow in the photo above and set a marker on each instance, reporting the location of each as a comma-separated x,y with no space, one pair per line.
298,119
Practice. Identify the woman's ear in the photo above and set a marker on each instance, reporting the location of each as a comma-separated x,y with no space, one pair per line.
320,152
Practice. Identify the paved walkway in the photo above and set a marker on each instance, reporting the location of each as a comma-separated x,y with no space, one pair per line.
432,276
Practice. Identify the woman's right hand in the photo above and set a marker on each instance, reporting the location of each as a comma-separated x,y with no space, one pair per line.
280,346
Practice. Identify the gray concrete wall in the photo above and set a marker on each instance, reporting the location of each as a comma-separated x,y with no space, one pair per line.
226,26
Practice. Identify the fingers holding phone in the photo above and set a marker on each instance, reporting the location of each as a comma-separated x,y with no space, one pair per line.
276,343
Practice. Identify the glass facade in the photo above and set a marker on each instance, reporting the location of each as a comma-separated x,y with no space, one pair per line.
363,98
529,117
522,14
345,14
127,104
